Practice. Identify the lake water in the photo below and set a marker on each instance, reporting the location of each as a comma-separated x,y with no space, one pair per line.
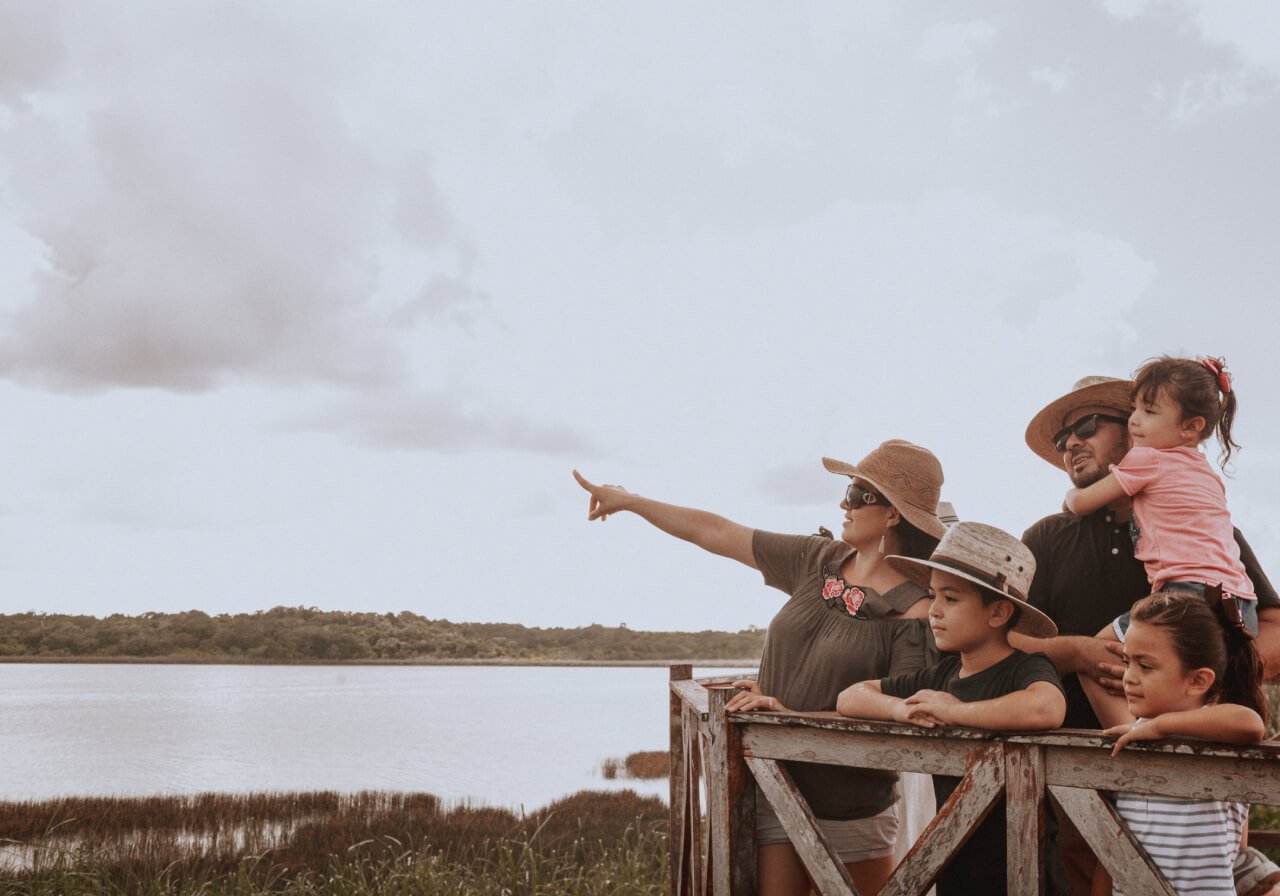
501,735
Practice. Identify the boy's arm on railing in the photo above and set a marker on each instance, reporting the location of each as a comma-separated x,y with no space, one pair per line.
1038,706
1227,723
865,700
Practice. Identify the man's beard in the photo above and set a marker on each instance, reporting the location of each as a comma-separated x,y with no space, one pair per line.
1100,468
1086,477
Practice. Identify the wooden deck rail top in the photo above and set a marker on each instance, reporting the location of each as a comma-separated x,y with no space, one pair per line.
733,749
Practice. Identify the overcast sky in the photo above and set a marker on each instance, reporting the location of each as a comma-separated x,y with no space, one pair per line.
318,304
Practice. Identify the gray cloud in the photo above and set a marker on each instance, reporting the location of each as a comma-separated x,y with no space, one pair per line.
205,218
435,422
30,52
445,299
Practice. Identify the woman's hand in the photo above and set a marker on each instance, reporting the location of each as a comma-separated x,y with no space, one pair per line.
749,699
929,709
1144,729
605,499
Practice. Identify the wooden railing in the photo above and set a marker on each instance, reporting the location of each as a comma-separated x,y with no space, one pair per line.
731,750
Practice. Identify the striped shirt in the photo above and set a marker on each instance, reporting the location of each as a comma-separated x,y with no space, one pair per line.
1193,842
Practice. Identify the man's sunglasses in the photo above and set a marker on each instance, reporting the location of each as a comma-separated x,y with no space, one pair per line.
1084,428
856,494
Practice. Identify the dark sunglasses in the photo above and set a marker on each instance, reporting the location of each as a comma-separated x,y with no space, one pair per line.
1084,428
856,494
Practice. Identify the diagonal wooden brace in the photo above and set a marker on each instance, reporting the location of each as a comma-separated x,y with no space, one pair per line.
955,822
825,868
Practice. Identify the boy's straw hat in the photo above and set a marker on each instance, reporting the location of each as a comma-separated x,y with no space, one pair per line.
1093,394
908,475
989,558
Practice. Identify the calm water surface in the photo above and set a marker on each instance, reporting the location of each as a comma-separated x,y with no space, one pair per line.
507,736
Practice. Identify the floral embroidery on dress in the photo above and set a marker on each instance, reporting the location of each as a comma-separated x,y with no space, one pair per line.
848,597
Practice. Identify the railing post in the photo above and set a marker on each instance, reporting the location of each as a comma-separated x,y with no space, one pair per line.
1024,818
731,814
679,828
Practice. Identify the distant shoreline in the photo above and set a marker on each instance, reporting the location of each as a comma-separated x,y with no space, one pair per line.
243,661
292,636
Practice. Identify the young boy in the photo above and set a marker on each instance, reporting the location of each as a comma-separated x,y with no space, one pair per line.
978,578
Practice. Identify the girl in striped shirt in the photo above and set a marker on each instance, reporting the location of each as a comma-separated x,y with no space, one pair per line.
1191,670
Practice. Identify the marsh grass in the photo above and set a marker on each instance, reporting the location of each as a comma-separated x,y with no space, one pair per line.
648,764
644,766
372,842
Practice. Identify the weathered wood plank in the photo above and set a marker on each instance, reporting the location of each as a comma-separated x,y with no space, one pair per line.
1024,818
692,693
727,679
832,721
1217,777
825,868
1106,835
679,842
694,745
955,822
731,815
1080,737
890,751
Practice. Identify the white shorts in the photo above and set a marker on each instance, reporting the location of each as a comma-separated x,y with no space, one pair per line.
854,839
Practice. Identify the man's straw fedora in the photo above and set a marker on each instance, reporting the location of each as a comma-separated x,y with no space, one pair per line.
908,475
1093,394
989,558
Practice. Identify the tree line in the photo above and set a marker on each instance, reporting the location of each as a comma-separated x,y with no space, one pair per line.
306,634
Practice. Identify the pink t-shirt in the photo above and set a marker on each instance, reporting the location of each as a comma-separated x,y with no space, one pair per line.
1180,510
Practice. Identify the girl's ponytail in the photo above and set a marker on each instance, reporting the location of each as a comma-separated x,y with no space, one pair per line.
1242,679
1226,408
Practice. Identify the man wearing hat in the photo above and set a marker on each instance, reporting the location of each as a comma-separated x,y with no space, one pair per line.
1087,574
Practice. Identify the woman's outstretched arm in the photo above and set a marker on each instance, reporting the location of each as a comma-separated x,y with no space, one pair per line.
707,530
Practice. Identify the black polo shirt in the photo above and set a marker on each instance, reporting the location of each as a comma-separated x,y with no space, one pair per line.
1086,576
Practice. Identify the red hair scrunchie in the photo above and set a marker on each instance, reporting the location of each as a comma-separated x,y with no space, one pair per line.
1218,366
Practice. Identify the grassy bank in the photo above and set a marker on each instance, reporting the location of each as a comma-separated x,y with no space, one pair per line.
309,635
327,843
745,663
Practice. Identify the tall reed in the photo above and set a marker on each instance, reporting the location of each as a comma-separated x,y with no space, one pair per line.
371,842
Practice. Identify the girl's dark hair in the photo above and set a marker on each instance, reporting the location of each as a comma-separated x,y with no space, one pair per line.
915,542
1202,637
1198,392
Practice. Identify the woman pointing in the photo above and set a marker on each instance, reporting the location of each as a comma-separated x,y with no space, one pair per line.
849,617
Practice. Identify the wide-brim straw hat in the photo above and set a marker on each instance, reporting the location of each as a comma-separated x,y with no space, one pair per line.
1091,395
908,475
989,558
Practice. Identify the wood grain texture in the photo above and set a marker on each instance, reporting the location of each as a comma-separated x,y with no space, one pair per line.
1024,819
679,840
1204,777
827,872
1106,835
893,750
731,814
955,822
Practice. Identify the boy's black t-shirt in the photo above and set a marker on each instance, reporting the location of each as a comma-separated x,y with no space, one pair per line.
981,864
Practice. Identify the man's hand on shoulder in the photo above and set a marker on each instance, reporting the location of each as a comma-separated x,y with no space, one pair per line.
1101,660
